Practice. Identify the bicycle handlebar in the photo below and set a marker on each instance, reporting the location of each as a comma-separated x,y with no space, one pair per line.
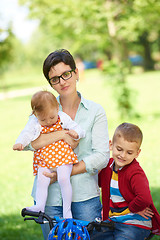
39,217
26,212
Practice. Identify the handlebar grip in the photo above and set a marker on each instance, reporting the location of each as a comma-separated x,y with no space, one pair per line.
40,216
25,212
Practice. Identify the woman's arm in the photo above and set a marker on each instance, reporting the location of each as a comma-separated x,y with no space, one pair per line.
78,168
99,157
100,146
48,138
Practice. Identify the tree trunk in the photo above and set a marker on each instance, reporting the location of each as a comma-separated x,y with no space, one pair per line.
148,61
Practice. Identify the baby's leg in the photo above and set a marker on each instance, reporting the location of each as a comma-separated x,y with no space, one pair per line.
41,191
64,173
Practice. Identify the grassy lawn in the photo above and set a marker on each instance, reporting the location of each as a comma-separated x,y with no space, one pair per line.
16,167
23,78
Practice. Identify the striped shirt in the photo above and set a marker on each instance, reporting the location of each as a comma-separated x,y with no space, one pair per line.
119,211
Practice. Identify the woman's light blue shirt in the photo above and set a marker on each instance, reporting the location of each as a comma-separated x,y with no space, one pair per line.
93,150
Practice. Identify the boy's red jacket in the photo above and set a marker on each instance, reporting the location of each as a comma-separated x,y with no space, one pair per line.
134,187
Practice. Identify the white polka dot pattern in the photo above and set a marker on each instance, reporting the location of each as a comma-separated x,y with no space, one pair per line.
53,155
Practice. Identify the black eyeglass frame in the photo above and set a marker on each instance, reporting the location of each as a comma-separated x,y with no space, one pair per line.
61,76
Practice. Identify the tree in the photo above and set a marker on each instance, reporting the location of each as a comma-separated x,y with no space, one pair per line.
99,27
6,52
77,25
107,29
5,49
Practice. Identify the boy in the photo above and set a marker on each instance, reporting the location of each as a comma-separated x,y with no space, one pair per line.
126,197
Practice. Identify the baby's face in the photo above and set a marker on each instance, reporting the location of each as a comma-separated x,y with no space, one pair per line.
123,152
48,118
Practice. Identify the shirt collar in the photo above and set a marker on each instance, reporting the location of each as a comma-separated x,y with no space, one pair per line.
112,165
84,102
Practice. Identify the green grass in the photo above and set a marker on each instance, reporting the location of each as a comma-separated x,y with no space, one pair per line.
16,167
23,78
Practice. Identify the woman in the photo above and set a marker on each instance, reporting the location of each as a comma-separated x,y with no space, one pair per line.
93,151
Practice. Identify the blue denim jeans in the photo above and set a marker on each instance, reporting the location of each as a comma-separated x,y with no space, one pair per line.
120,232
85,210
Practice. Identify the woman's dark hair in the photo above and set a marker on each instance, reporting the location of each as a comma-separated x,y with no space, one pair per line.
61,55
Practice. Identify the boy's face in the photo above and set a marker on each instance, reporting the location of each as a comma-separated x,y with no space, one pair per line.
123,152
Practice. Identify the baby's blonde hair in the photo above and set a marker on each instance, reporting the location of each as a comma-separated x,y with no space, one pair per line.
129,132
42,100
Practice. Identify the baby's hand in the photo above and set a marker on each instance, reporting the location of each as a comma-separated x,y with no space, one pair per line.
18,147
73,134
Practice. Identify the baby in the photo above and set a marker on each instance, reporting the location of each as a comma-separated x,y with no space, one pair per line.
46,118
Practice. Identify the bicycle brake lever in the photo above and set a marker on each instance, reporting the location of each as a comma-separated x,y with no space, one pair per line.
31,218
37,220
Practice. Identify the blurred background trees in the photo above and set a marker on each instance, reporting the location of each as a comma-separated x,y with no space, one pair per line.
119,33
99,28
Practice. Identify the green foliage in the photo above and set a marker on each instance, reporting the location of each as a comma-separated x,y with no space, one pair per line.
7,54
116,75
75,25
6,50
94,29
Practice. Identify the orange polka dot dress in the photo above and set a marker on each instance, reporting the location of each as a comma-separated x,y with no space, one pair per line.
55,154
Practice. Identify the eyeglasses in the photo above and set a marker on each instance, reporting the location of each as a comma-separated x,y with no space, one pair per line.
65,76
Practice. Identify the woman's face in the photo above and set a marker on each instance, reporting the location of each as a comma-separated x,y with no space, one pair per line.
64,87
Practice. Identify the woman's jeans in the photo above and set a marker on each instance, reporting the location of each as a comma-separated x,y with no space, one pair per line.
85,210
120,232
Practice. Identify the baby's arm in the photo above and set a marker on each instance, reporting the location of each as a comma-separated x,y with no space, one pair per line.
73,134
18,147
30,132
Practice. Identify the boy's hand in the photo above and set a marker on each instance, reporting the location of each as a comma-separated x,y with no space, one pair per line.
73,134
18,147
147,212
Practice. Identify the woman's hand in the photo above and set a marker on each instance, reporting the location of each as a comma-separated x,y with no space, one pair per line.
147,212
78,168
52,176
48,138
68,139
73,134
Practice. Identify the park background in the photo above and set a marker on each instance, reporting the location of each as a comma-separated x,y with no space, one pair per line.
116,45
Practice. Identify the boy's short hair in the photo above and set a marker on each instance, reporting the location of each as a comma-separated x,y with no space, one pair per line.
130,132
41,100
61,55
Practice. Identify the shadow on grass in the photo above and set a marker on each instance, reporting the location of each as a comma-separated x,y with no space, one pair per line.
13,227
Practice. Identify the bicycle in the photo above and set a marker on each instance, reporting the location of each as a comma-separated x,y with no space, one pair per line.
41,218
